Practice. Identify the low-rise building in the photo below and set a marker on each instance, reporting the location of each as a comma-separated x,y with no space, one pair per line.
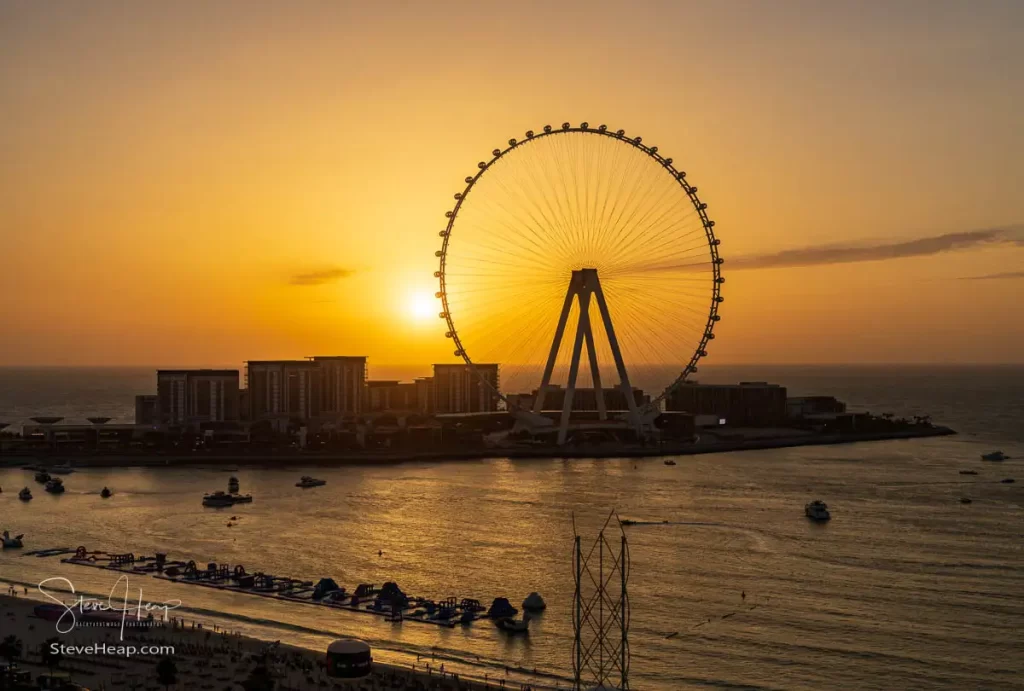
391,396
803,406
747,404
583,399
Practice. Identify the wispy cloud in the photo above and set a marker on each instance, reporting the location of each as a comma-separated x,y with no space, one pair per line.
991,277
880,251
317,278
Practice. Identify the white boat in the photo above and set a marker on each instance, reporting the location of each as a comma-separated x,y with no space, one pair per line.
11,542
307,481
817,510
25,494
994,456
55,486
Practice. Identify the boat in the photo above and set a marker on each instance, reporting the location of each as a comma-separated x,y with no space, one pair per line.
241,498
510,625
233,484
1008,481
11,542
968,472
307,481
626,521
218,498
965,500
55,486
25,494
669,462
61,470
42,476
994,456
817,510
105,493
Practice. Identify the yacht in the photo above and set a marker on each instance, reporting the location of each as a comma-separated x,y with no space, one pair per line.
25,494
11,542
817,510
307,481
105,493
218,498
994,456
42,476
670,462
55,486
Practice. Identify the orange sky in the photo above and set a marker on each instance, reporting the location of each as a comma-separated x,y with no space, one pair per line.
170,169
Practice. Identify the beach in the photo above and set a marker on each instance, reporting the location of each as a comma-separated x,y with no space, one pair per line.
205,658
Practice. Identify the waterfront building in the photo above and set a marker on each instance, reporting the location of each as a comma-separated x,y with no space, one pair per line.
458,389
584,399
192,396
147,409
747,404
803,406
425,395
391,396
342,384
323,387
283,388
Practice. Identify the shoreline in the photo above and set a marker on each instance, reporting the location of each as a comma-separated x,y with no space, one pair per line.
307,458
232,652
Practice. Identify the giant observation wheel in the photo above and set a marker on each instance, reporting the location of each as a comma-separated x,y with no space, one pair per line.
578,240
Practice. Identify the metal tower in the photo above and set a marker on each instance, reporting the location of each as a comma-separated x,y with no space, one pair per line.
583,285
601,612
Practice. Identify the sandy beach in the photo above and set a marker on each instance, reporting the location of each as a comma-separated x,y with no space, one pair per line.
204,658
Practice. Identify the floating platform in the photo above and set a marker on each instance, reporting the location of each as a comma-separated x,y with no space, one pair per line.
387,601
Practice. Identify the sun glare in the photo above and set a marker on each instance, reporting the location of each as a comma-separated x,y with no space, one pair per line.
421,306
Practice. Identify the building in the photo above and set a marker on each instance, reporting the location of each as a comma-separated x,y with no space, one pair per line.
325,387
582,399
191,396
147,409
425,395
391,396
804,406
458,389
283,388
747,404
342,384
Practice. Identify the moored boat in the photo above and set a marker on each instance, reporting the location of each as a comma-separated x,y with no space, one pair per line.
307,481
11,542
994,456
817,510
105,493
220,498
55,486
510,625
25,494
42,476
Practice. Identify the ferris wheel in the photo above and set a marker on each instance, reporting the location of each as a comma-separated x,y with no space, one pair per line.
578,237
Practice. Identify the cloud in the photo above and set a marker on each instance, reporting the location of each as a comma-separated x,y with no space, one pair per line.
989,277
845,254
318,278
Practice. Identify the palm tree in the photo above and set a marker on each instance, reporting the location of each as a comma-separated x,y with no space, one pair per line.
51,654
166,672
11,648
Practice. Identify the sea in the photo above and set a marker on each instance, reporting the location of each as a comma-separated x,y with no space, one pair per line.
730,586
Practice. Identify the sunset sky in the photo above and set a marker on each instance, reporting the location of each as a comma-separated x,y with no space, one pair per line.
204,183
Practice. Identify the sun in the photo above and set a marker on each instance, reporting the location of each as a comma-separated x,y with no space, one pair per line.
421,306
